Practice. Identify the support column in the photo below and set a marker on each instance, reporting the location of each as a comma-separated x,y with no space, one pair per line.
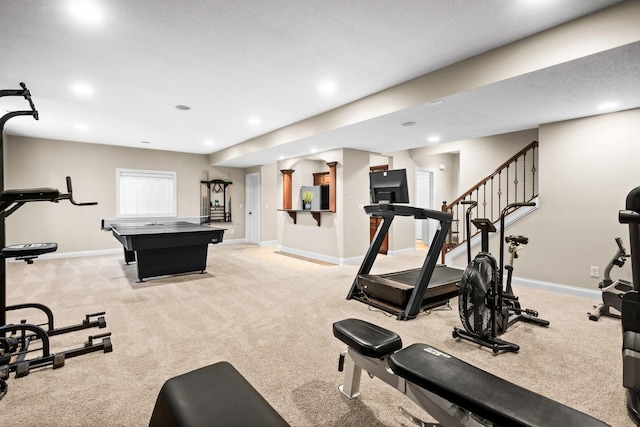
286,188
332,186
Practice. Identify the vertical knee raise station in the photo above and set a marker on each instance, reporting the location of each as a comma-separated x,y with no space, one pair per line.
16,350
452,391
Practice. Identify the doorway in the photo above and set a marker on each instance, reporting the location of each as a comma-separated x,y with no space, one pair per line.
425,229
252,202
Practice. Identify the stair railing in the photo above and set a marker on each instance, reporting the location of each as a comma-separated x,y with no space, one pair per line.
513,181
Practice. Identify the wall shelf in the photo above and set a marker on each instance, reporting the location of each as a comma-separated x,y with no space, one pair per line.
293,213
326,178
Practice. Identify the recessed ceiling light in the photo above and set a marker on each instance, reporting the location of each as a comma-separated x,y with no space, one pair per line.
254,121
145,142
608,106
85,11
208,142
433,138
407,124
437,102
183,107
313,150
82,89
81,126
327,87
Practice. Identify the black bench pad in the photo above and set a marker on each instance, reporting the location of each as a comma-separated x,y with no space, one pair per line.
29,195
482,393
366,338
216,395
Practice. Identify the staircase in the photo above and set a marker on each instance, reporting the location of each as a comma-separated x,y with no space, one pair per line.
514,181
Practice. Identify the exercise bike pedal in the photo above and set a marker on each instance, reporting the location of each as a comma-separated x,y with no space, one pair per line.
532,313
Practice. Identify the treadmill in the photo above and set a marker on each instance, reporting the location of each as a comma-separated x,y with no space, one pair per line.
404,293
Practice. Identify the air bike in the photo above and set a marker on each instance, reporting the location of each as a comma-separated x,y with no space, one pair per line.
486,303
17,340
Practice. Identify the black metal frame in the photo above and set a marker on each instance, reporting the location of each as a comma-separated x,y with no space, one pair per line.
15,339
504,305
631,309
388,212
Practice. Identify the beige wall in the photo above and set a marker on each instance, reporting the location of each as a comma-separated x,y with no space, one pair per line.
269,199
33,163
445,167
355,222
586,168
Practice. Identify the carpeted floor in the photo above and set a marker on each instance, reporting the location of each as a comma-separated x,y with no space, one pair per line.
271,316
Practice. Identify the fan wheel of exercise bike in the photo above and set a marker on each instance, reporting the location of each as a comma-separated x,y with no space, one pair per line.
475,294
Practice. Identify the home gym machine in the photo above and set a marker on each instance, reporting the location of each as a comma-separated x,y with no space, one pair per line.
486,302
403,293
631,309
612,292
16,339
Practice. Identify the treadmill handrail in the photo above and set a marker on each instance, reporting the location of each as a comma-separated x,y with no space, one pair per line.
388,209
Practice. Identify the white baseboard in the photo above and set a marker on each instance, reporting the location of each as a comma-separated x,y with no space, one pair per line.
399,252
232,241
312,255
268,243
558,288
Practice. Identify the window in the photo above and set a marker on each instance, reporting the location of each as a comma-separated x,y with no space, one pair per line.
145,193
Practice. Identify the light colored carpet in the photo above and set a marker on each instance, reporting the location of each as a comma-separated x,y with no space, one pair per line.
271,316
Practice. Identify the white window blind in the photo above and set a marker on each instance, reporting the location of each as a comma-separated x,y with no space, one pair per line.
145,193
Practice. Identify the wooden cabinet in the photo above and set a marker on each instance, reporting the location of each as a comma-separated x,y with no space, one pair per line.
321,178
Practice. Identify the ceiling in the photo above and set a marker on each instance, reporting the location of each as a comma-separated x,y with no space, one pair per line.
233,61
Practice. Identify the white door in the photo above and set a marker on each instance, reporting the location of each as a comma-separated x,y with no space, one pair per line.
425,229
252,202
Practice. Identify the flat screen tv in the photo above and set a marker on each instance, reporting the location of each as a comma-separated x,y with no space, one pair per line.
389,186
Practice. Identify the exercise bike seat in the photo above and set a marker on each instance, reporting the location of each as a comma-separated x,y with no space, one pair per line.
517,240
482,393
28,250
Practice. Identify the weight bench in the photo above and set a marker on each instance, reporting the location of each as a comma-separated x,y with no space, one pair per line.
216,395
452,391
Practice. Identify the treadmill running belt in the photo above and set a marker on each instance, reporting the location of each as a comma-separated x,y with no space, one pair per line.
396,288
